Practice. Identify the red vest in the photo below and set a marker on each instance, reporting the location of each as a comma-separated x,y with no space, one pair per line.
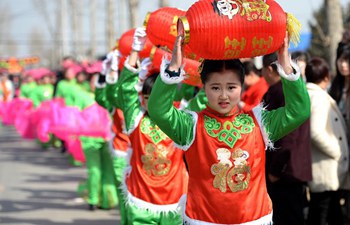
226,165
158,173
121,140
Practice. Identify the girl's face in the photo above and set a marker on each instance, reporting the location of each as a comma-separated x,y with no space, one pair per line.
81,77
69,75
145,101
223,90
46,80
343,66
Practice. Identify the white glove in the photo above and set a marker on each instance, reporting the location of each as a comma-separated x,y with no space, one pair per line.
140,37
111,62
115,60
145,64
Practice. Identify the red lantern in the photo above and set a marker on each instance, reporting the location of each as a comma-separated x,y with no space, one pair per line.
228,29
125,43
191,66
161,28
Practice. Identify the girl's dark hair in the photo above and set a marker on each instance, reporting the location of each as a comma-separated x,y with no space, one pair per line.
216,66
339,80
300,55
268,59
316,70
249,67
148,84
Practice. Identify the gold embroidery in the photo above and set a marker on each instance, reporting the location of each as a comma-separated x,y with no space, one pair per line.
237,178
254,10
219,170
155,160
250,9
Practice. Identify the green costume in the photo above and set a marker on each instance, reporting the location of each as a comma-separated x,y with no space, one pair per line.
130,104
67,90
102,191
119,162
27,90
41,93
233,143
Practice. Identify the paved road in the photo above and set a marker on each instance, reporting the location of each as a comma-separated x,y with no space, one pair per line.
39,186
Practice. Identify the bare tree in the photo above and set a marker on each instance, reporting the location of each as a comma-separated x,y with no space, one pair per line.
92,50
41,6
133,9
163,3
62,28
335,27
8,46
75,10
110,32
36,42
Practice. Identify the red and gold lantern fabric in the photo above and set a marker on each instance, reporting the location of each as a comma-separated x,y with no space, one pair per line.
229,29
161,26
161,29
190,66
125,43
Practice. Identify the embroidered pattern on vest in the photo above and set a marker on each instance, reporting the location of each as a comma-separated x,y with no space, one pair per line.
230,132
235,175
149,128
155,160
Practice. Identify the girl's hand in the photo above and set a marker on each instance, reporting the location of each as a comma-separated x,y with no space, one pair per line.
283,56
176,58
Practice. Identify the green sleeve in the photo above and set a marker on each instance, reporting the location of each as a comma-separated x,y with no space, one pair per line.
281,121
127,97
23,91
177,124
112,94
101,99
199,102
184,91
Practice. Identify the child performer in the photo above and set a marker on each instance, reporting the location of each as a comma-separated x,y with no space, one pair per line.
156,177
120,143
224,146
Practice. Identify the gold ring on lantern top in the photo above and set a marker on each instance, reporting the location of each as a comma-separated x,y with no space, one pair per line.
153,51
145,22
116,44
183,29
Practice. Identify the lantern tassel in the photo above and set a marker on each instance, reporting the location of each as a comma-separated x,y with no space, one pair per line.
293,28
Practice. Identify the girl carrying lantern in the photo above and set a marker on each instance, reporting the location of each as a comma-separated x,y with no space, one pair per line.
120,143
156,176
225,146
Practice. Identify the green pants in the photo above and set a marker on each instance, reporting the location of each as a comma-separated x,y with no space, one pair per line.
138,216
101,180
119,165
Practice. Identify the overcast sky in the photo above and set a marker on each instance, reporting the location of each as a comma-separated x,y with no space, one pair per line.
25,17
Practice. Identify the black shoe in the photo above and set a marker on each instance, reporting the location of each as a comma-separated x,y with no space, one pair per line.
92,207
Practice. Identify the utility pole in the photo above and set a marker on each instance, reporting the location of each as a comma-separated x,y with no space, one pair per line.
335,28
110,32
93,29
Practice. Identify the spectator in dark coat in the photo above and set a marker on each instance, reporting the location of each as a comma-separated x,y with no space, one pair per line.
288,165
